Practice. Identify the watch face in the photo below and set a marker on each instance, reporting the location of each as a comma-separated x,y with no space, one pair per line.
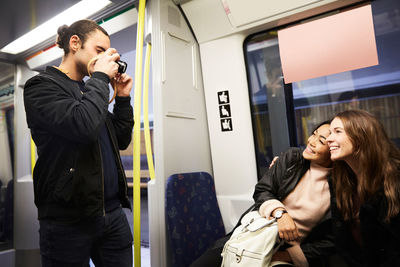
278,214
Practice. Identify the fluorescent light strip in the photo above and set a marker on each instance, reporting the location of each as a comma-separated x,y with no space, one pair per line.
113,25
81,10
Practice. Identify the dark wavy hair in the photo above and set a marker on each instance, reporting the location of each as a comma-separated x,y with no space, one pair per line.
379,161
322,123
81,28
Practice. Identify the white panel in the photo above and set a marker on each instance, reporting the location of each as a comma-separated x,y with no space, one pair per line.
210,19
45,57
26,225
22,133
121,22
244,12
233,153
179,78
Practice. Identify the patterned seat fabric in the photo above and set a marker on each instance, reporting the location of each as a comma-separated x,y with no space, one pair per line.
194,220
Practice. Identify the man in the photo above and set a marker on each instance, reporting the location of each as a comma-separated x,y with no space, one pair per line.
79,181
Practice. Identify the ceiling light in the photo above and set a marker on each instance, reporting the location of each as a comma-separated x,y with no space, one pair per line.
81,10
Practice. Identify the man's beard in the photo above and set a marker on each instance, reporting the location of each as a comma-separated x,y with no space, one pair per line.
82,68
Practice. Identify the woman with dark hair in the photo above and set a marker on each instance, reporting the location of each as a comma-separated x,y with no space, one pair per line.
366,190
295,190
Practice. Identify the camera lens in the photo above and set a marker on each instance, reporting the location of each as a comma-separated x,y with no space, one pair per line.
122,65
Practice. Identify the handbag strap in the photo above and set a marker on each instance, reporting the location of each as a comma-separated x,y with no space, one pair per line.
241,217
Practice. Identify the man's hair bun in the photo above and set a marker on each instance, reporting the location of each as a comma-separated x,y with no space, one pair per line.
81,28
61,36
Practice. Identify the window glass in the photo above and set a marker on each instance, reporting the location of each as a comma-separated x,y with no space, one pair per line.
375,89
266,86
6,178
6,156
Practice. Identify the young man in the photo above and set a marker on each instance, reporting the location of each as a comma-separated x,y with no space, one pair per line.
79,182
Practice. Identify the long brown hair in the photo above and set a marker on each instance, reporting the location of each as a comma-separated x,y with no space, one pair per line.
379,161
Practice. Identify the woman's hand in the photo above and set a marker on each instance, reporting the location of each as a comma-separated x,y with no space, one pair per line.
273,162
287,228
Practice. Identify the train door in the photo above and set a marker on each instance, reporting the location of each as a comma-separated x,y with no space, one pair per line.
7,169
181,137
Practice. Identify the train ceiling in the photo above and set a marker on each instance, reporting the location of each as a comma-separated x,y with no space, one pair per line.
18,17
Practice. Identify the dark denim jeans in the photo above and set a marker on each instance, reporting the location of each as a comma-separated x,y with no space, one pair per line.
106,240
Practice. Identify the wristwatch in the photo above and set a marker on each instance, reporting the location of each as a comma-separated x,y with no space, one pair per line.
279,213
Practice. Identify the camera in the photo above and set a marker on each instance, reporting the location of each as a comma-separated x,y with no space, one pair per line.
122,65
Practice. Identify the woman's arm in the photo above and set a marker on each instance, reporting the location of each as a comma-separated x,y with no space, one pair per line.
319,243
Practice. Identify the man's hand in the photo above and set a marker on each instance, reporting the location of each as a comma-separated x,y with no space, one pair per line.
106,63
123,84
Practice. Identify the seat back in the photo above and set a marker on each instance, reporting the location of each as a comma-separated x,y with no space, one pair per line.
193,217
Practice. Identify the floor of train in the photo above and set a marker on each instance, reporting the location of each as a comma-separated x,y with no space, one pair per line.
144,228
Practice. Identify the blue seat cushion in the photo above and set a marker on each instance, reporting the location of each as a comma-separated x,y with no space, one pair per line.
194,220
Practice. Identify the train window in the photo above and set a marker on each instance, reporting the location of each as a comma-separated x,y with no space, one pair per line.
6,155
267,98
375,89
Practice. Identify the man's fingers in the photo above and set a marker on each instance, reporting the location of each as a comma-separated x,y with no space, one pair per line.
110,51
115,56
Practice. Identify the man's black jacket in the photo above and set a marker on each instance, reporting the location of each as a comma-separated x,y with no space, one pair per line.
65,124
277,183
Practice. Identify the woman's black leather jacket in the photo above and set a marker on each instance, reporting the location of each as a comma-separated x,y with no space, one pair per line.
277,183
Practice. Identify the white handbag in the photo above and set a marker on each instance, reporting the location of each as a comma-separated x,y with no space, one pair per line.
253,243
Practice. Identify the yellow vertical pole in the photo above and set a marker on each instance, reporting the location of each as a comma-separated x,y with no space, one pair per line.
33,25
136,133
147,138
33,155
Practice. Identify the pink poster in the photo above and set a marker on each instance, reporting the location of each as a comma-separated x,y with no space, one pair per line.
341,42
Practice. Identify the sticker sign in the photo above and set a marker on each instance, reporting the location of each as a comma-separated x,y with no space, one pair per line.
225,111
223,97
226,125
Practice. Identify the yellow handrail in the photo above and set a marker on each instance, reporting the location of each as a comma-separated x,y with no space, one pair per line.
136,133
147,139
33,155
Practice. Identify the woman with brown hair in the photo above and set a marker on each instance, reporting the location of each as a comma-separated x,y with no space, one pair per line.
295,190
366,190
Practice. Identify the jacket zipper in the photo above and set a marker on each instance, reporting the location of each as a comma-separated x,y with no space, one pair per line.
102,179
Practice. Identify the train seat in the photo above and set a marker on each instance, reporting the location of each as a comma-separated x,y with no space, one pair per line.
193,217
